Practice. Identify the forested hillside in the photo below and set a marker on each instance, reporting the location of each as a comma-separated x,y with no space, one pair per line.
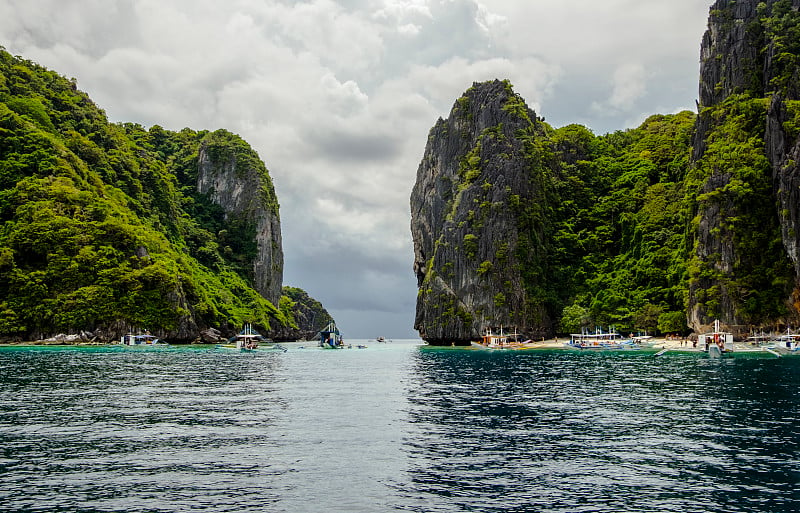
106,227
546,230
685,219
620,246
744,181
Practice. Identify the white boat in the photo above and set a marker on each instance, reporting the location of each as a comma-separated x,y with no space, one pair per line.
491,340
140,340
790,341
601,341
246,340
716,342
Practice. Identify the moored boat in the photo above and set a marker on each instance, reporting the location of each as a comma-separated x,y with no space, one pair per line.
600,340
491,340
246,340
716,342
790,341
145,339
774,343
330,337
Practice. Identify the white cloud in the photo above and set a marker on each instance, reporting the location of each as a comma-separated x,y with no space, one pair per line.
629,85
338,96
343,99
401,10
487,20
409,29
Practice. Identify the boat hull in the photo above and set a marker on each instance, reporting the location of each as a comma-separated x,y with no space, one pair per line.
234,347
604,347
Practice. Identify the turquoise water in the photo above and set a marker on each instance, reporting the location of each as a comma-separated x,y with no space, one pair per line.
396,427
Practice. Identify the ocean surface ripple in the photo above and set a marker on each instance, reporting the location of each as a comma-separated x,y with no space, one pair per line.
395,427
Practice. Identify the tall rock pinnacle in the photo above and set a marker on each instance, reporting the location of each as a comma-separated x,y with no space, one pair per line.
471,210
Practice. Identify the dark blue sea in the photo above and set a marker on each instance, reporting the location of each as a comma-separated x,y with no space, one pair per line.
396,427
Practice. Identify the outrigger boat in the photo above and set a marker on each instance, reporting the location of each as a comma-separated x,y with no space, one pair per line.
601,341
330,337
790,341
490,340
716,342
141,340
246,340
762,340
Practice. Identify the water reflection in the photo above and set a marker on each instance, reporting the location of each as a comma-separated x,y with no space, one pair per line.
112,430
568,431
395,427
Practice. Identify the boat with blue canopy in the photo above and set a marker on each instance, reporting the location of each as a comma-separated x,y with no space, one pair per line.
330,337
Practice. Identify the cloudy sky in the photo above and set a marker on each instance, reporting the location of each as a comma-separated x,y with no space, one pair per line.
337,97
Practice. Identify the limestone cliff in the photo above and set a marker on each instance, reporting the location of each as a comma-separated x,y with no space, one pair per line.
681,221
236,180
748,95
111,227
470,208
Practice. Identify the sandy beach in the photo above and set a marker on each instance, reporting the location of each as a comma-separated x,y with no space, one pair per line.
654,343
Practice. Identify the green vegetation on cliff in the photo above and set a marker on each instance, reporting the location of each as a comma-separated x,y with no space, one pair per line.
101,224
608,233
308,314
744,264
628,215
625,220
543,227
620,225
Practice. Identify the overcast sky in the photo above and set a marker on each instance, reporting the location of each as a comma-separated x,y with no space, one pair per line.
338,97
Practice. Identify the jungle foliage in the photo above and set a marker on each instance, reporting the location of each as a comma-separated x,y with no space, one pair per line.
633,205
101,223
619,244
627,221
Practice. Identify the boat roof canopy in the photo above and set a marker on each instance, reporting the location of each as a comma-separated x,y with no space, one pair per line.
330,328
595,335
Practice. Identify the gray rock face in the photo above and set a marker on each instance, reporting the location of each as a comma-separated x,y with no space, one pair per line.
729,35
473,186
785,156
742,54
212,336
246,194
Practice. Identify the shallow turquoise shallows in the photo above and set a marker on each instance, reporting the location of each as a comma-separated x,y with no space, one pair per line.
396,427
